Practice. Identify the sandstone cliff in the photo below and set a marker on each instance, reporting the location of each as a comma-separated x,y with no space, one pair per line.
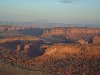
59,50
73,34
62,49
24,38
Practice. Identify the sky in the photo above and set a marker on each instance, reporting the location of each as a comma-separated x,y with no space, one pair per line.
57,11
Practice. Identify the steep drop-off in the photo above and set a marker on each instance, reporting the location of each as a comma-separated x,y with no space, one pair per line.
73,34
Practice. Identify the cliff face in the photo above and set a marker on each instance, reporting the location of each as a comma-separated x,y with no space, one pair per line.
73,34
24,38
83,30
53,31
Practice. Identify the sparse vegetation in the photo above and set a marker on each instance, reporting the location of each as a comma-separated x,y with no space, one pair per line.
6,69
71,65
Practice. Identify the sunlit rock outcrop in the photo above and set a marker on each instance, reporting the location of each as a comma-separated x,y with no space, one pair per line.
23,38
82,41
62,49
96,40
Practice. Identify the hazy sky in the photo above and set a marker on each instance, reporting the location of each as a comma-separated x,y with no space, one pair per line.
66,11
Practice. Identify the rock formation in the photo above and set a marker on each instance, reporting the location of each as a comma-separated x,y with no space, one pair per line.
82,41
26,48
96,40
23,38
73,34
18,48
62,49
54,31
10,28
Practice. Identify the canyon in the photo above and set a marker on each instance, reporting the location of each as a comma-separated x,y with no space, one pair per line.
52,51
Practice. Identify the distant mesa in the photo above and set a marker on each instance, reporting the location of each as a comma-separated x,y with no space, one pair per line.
10,28
24,38
73,34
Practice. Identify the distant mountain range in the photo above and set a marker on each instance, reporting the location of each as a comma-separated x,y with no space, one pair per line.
46,24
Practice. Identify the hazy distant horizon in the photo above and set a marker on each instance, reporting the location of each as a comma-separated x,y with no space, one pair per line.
47,24
83,12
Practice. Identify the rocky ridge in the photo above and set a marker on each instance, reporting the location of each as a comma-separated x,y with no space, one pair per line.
24,38
73,34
